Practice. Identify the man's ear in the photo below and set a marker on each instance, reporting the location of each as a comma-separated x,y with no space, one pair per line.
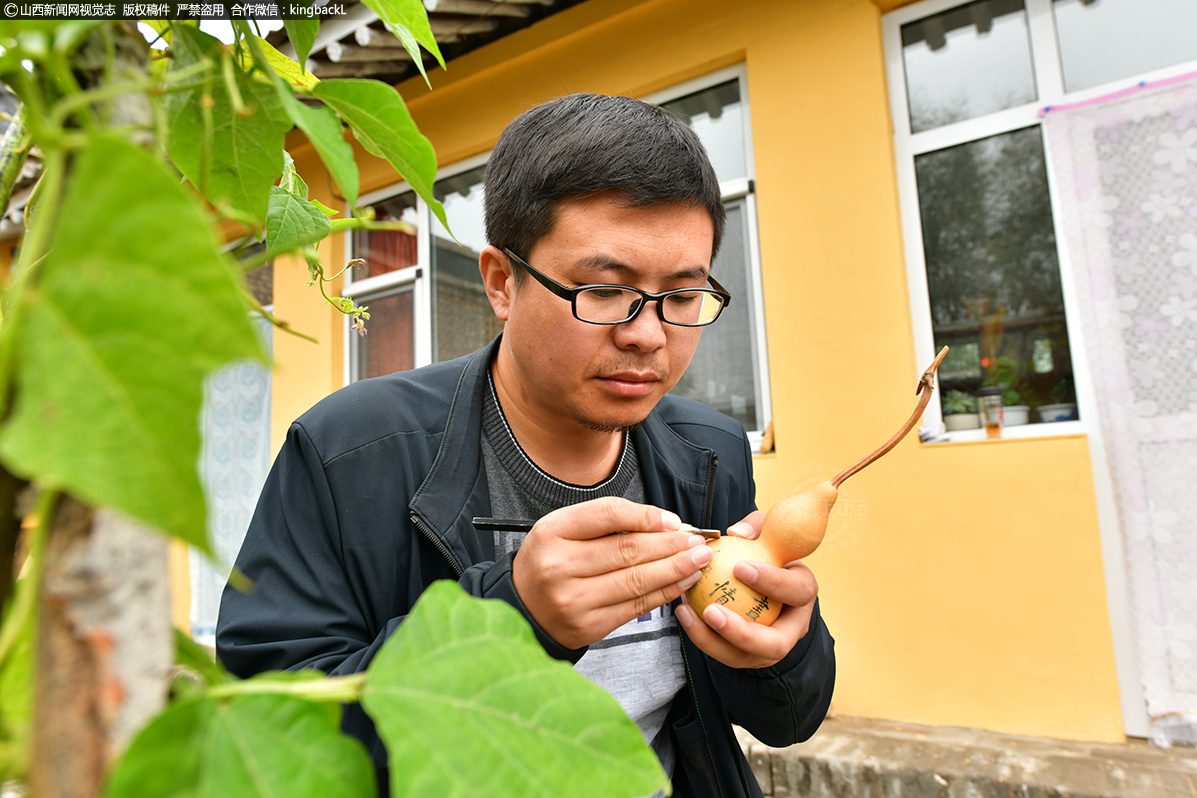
498,279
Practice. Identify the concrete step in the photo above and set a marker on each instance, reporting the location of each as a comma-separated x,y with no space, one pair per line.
853,757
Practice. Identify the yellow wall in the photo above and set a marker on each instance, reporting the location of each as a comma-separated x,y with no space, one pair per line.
969,591
305,372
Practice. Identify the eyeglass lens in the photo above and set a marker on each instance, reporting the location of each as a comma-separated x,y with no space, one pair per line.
613,305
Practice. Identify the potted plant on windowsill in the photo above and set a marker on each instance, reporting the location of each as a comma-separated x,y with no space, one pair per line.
960,411
1063,407
1003,373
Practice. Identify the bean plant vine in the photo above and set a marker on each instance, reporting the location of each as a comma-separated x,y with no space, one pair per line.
123,298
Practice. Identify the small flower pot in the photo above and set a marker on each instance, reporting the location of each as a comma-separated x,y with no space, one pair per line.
1016,415
1060,412
957,421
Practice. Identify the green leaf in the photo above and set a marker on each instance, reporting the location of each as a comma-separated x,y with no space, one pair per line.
14,28
256,745
238,160
133,305
408,20
381,122
327,135
197,659
302,35
292,222
287,68
16,699
69,36
327,211
468,704
265,680
291,180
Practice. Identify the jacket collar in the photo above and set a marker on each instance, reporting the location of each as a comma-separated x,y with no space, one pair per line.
455,489
676,473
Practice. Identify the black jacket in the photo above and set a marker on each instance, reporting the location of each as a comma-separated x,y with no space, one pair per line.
371,499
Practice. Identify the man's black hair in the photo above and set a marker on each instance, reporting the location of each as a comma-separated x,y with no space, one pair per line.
584,144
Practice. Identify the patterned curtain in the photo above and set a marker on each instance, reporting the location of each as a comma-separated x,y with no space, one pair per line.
235,425
1125,170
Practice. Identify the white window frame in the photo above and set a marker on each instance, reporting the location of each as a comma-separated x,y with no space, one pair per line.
737,188
1049,85
419,275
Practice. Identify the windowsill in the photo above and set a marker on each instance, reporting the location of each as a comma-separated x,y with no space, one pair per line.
1054,429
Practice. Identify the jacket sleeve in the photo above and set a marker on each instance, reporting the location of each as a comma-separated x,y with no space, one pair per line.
334,566
784,703
298,608
329,580
494,581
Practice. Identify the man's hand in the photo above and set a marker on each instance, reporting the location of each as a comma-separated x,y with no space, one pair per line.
740,643
580,581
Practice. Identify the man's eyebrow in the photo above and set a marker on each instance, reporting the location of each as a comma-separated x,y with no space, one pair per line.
604,263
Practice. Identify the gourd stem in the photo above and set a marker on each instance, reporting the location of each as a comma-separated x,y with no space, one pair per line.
924,388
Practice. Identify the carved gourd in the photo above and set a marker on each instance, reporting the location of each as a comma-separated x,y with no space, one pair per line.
794,527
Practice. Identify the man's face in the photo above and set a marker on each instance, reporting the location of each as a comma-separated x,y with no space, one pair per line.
604,377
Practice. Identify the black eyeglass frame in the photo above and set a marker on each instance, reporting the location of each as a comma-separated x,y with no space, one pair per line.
571,294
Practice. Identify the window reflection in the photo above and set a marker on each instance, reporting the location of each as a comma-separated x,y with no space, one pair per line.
388,250
390,344
717,116
1103,40
463,319
722,373
992,269
969,61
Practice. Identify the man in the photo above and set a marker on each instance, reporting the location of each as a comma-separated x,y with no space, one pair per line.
603,216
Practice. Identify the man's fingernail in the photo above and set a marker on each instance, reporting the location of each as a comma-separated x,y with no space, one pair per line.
670,520
745,572
690,581
685,616
696,540
701,556
714,616
742,530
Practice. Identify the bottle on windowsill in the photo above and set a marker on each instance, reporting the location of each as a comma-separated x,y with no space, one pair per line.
989,401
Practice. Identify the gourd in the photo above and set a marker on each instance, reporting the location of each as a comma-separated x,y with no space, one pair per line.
794,527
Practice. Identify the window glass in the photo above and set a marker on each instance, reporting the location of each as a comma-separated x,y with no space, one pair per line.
389,345
388,250
261,283
966,62
992,268
717,116
1103,40
463,319
722,374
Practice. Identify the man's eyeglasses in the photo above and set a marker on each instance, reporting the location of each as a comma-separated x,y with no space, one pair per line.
606,303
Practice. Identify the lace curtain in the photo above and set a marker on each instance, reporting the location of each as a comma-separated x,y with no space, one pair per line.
234,461
1125,170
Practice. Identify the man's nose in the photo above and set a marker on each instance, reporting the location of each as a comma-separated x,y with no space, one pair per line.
646,332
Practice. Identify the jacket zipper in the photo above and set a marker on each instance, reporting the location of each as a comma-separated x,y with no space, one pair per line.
707,511
709,507
698,711
435,540
739,760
